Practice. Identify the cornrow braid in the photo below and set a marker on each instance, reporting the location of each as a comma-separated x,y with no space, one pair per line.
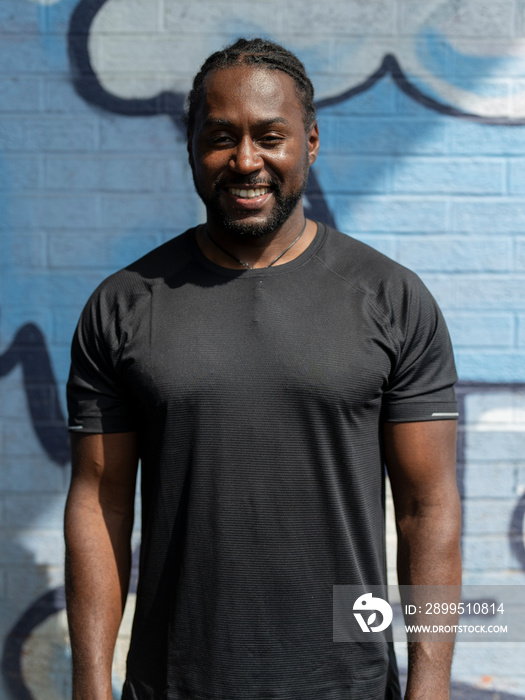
254,52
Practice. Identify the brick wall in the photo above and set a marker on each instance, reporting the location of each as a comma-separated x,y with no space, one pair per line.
423,157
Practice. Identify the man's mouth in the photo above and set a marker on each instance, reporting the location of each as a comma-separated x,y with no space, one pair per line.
248,193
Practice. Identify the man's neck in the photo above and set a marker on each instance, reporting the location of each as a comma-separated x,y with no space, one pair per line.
236,251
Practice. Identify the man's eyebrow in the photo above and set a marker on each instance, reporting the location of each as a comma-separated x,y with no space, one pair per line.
260,124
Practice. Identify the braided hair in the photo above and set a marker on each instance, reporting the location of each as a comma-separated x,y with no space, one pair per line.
254,52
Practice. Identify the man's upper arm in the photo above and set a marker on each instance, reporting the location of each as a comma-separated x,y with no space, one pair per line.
105,469
420,459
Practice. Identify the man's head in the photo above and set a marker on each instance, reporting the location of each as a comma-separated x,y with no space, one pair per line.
252,137
258,53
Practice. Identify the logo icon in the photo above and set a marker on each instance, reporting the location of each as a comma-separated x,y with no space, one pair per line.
368,602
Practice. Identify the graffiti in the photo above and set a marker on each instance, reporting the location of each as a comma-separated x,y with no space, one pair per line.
419,67
517,531
48,604
29,350
85,79
390,66
473,429
88,86
438,87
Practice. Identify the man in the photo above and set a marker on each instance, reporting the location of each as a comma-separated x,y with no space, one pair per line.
262,367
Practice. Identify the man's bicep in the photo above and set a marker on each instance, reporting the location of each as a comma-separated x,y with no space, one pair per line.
421,463
420,459
104,468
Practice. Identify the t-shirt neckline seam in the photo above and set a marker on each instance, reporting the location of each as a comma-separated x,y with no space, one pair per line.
296,263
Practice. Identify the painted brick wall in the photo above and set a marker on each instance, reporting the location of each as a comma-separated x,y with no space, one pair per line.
422,114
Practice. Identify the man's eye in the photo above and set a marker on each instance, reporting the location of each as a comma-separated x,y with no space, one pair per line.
220,140
271,139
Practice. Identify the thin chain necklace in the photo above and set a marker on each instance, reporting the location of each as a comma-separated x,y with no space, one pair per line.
247,265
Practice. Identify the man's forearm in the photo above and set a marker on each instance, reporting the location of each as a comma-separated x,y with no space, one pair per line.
429,555
98,561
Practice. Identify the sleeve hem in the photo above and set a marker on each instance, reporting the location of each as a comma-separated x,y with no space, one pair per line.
95,424
424,419
413,412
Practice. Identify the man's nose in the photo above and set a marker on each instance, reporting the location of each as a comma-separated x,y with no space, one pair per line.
246,157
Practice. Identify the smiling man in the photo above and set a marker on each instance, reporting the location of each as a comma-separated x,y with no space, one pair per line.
263,368
251,148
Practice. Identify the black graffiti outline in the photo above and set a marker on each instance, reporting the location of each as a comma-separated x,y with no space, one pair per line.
390,66
29,350
86,82
50,603
88,86
517,532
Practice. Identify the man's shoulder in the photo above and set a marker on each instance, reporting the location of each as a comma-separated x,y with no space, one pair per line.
365,267
122,291
158,266
394,294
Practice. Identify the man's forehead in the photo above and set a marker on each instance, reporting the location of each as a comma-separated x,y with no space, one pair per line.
272,92
249,82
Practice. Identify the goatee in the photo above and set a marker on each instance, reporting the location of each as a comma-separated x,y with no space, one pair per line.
280,213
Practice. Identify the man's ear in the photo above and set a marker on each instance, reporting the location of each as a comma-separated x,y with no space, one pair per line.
313,143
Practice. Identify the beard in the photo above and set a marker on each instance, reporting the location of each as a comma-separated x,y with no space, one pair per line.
281,212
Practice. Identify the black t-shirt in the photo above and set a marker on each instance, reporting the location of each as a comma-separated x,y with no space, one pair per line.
258,397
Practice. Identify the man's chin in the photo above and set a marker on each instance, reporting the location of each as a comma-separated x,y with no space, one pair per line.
246,225
248,229
252,227
257,223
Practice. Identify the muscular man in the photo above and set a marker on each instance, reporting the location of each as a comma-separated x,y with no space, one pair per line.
263,368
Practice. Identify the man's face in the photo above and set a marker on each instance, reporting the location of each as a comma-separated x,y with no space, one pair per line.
250,153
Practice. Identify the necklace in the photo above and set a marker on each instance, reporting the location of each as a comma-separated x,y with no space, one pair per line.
247,265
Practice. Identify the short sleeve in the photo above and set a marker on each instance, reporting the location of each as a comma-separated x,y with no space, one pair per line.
96,395
421,385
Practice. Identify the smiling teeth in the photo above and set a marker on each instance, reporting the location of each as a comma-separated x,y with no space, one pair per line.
249,194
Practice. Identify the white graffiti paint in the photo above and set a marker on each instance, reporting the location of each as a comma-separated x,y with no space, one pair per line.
462,53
